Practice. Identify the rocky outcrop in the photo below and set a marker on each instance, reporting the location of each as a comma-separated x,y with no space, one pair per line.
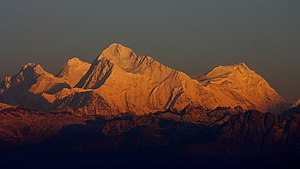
296,104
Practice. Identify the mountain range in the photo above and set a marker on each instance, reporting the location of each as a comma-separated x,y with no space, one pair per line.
119,82
130,111
196,138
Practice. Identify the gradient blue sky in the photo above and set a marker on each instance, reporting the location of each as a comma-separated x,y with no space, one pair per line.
189,35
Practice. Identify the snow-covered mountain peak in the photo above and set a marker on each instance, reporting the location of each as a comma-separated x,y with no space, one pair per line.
117,52
28,65
118,61
234,67
240,80
73,70
74,60
236,71
39,69
30,69
241,65
123,57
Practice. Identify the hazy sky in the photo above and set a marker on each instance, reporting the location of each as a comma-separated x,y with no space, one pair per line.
189,35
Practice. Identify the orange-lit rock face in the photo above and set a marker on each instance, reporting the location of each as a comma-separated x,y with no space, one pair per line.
297,103
119,81
5,106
